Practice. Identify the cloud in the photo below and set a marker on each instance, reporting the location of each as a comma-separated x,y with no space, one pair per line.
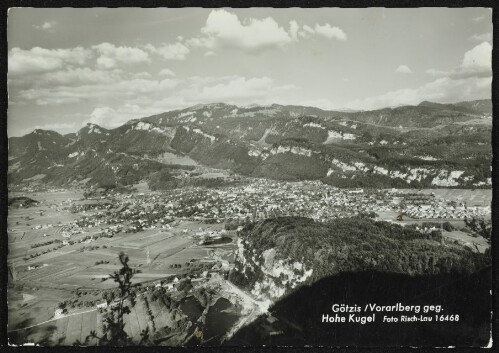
461,72
111,56
202,42
228,31
78,76
60,127
46,26
176,51
155,98
443,90
322,103
113,117
123,89
477,62
325,30
480,56
166,73
49,100
191,91
210,53
39,60
294,27
484,37
112,88
224,29
330,32
308,30
478,19
229,89
435,72
237,88
142,75
471,80
403,69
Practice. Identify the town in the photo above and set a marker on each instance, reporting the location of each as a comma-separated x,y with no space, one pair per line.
133,213
183,242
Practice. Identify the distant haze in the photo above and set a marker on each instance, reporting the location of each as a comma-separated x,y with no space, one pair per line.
68,66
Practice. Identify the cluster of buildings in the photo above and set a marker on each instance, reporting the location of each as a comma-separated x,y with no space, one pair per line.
427,206
235,205
259,199
443,210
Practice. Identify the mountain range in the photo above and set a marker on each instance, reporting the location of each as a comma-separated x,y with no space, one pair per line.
427,145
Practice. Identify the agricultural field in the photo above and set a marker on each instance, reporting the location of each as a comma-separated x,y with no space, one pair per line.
48,269
65,331
473,197
214,175
172,158
63,248
148,313
29,305
464,238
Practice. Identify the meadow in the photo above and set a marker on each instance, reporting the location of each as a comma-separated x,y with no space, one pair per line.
48,272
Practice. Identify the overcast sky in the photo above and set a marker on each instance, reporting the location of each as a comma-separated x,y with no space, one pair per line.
68,67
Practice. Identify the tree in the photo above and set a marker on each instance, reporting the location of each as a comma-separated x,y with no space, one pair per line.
480,226
114,326
184,285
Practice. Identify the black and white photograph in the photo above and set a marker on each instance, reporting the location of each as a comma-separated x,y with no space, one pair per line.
296,177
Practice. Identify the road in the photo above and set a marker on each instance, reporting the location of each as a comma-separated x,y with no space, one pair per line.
263,306
254,308
54,319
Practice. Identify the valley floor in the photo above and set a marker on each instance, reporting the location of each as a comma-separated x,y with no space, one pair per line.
64,248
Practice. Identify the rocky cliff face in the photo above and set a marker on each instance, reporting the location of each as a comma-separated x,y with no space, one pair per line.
268,276
277,256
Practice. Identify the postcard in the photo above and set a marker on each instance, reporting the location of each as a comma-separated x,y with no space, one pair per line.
250,177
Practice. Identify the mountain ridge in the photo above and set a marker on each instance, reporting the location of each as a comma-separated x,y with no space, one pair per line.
392,146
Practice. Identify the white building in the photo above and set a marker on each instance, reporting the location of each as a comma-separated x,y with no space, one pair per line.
102,305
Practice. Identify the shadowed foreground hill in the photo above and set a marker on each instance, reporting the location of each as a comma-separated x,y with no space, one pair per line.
299,314
353,244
